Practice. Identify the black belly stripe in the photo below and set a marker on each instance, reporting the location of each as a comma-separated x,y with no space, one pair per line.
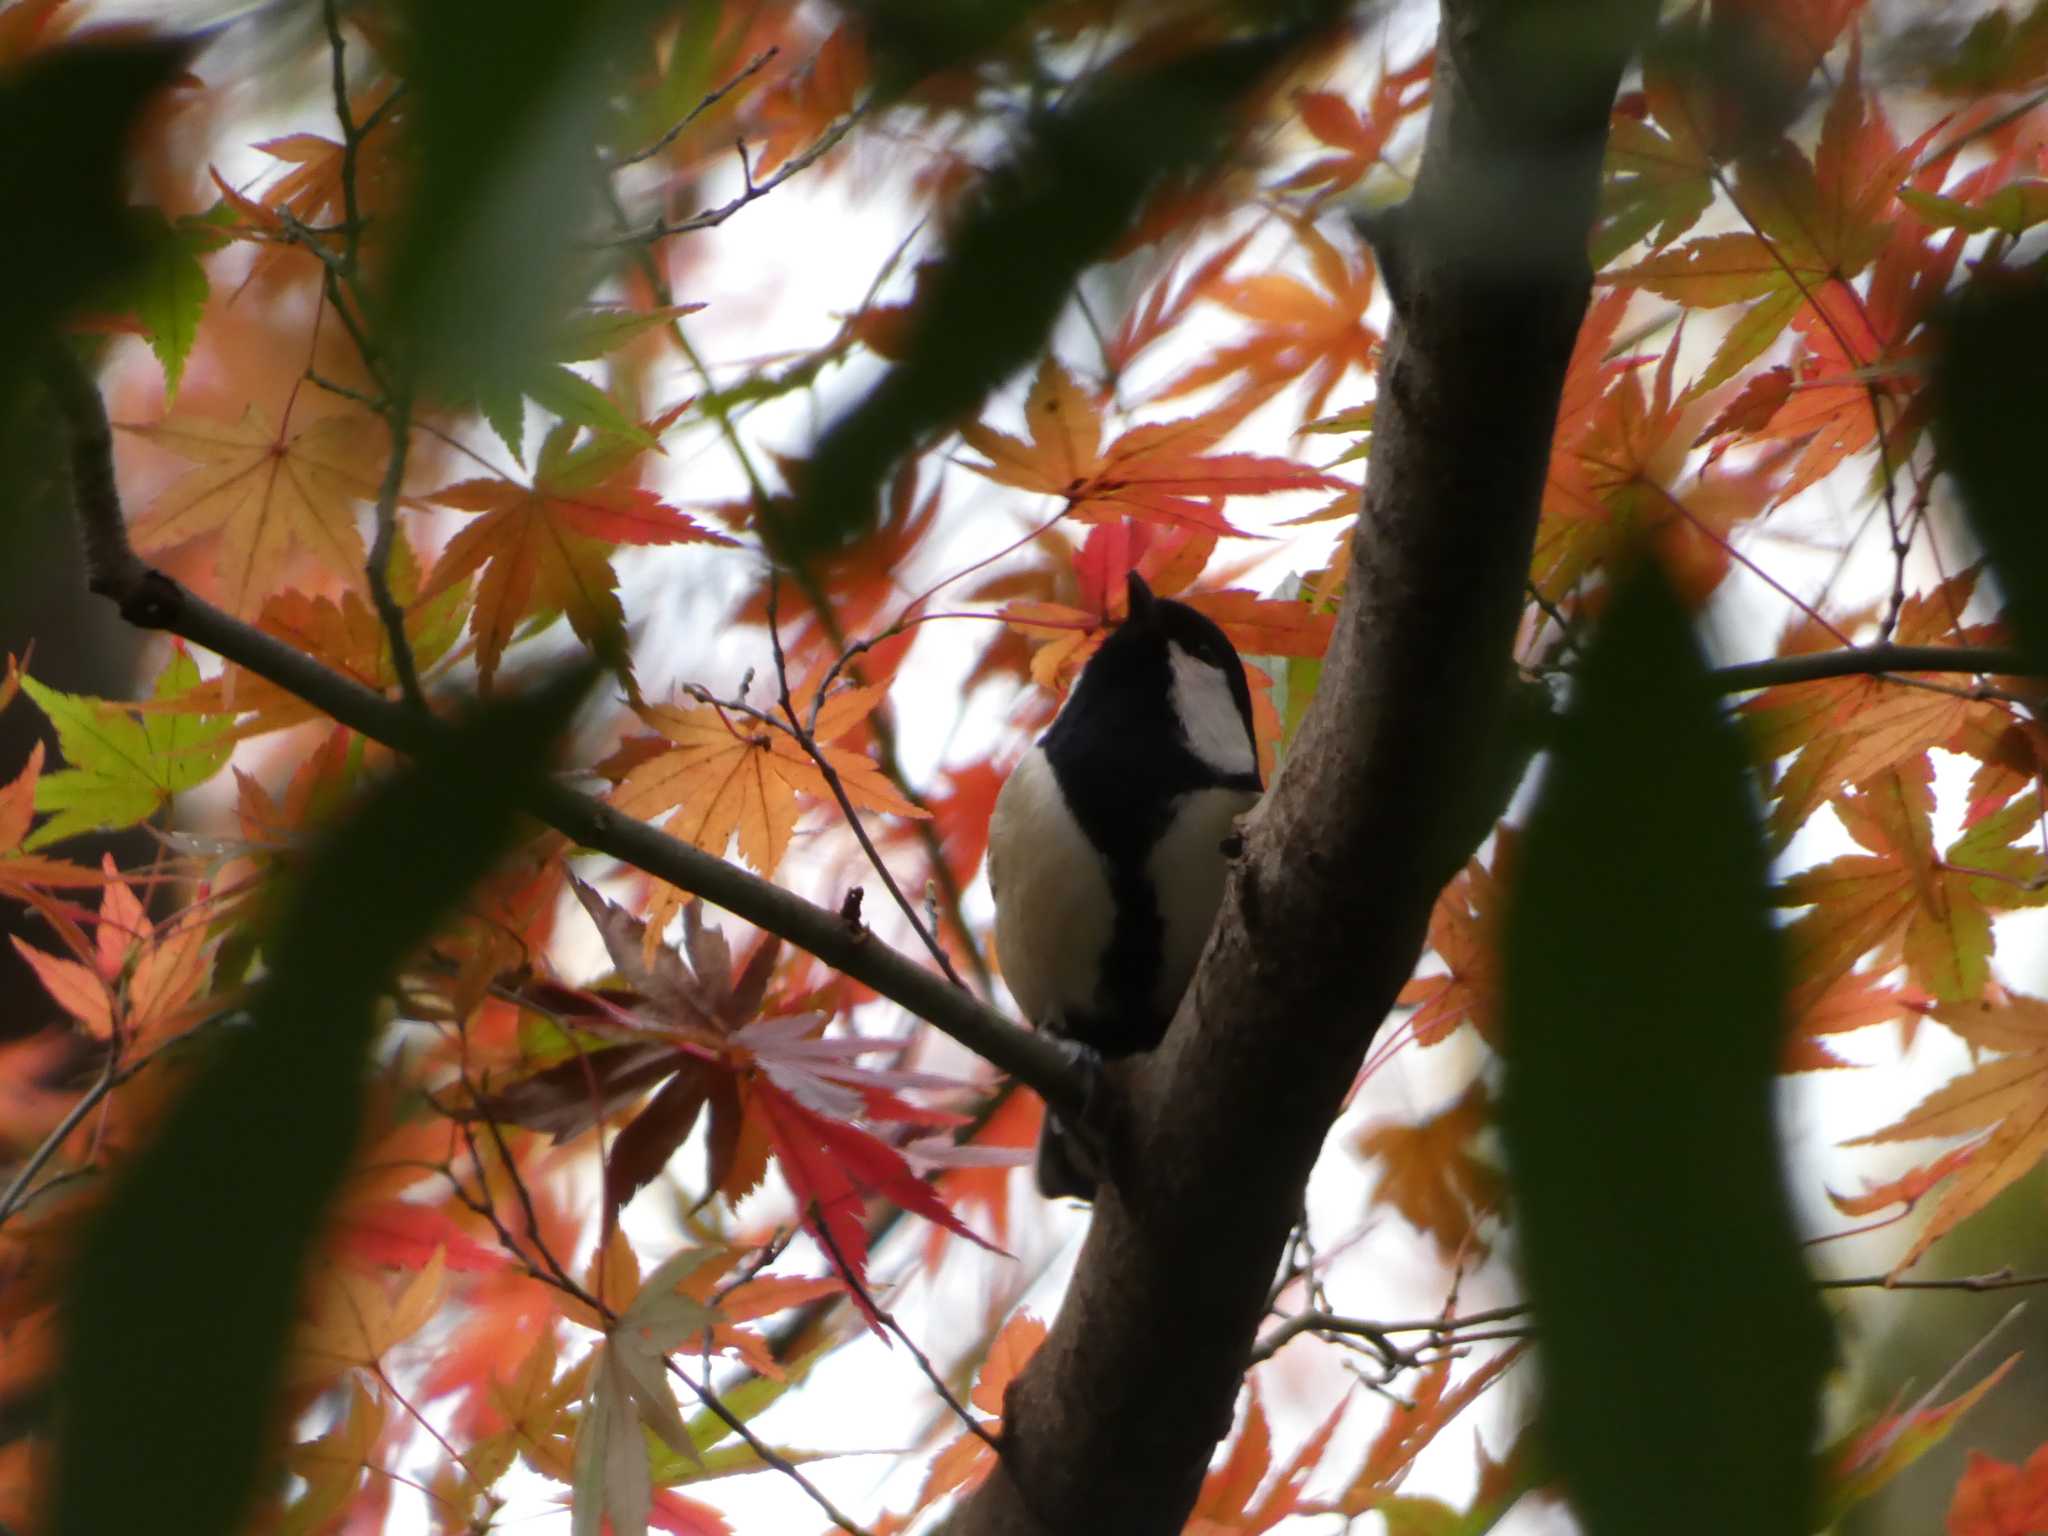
1136,952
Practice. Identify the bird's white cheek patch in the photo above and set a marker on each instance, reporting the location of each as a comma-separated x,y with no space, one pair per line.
1208,715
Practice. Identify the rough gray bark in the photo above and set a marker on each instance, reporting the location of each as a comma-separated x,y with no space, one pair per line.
1212,1136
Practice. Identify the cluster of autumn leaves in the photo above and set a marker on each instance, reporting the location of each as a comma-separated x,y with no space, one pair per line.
1817,274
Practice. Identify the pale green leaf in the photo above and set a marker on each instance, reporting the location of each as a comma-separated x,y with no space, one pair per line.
124,766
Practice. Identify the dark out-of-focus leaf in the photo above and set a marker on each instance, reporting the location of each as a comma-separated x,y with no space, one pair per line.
1682,1342
910,39
1060,204
181,1302
65,120
507,101
1991,393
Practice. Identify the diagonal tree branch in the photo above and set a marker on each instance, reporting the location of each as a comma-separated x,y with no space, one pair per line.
151,600
1870,661
1111,1425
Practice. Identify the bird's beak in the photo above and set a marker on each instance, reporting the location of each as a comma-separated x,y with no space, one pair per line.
1138,599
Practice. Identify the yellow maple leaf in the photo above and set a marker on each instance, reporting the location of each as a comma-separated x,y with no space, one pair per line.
1430,1175
730,776
2007,1095
265,494
357,1318
722,774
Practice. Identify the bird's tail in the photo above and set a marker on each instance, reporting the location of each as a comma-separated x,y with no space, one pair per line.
1065,1170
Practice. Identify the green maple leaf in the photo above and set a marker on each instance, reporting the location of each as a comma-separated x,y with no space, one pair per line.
124,765
167,290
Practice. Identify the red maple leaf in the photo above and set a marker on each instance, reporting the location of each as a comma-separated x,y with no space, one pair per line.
1162,472
1996,1498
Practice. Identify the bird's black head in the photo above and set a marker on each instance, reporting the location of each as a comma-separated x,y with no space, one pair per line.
1166,687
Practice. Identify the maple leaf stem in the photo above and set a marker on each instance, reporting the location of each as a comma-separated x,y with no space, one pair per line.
368,402
149,599
769,1456
804,737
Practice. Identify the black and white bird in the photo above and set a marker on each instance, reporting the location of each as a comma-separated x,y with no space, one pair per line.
1106,848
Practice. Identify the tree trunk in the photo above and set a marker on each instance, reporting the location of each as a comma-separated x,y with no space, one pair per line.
1112,1425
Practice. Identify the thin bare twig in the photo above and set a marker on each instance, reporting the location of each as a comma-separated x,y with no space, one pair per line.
1392,1357
754,190
378,568
1993,1280
351,135
767,1453
1477,1327
823,1232
798,732
555,1276
1870,661
18,1193
2018,110
753,67
112,1076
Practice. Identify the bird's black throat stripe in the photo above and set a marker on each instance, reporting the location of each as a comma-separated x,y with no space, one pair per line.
1123,790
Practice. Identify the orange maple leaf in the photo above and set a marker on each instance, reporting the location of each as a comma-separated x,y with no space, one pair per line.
1162,472
799,110
968,1460
1359,136
1012,1126
1905,1191
1464,932
1429,1175
1298,331
1229,1501
1433,1403
735,777
1874,1452
265,494
1660,169
547,546
1930,910
1845,731
357,1318
137,979
345,634
310,193
20,871
1853,1001
2007,1096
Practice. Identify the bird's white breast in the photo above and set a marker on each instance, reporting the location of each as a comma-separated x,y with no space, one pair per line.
1054,912
1187,867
